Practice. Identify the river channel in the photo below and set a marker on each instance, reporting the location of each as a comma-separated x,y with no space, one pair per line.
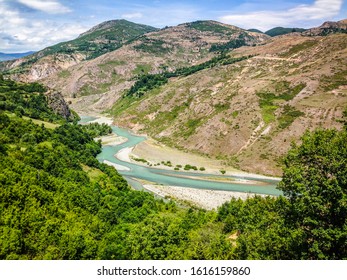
164,177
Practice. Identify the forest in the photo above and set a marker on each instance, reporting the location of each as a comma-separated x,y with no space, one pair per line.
57,201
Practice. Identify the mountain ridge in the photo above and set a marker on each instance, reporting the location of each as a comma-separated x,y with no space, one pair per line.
104,38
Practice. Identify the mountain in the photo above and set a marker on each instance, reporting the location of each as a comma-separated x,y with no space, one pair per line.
283,30
11,56
249,112
211,88
254,30
106,77
328,27
180,45
101,39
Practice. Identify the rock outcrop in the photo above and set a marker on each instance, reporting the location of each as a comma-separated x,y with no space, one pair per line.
57,103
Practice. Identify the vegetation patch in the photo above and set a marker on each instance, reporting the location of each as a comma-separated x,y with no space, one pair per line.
219,107
268,101
64,74
232,44
154,46
190,127
151,81
188,167
97,129
288,116
300,47
142,69
210,26
26,99
335,81
139,159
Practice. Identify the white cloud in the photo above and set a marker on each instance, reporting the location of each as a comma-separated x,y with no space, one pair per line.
47,6
132,16
319,10
19,33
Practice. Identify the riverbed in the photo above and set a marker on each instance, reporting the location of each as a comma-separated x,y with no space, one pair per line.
135,173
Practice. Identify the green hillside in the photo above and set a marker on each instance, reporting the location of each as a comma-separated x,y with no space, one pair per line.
276,31
58,202
103,38
254,30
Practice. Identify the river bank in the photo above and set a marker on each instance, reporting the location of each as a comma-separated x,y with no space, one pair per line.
156,153
207,188
206,199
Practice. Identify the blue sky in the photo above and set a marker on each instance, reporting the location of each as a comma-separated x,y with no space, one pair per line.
34,24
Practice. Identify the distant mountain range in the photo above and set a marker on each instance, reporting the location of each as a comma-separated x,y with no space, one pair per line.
10,56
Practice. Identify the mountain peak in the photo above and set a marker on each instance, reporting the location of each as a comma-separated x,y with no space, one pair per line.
117,23
211,25
328,27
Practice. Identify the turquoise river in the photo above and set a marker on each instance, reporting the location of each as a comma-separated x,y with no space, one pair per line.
172,178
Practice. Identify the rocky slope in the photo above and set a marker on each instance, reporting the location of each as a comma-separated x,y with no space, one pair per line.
101,39
108,76
57,103
248,113
328,27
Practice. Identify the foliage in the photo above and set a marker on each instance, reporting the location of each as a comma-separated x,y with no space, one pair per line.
314,180
268,105
300,47
26,99
150,81
96,129
232,44
288,116
146,83
257,227
58,202
189,167
154,46
276,31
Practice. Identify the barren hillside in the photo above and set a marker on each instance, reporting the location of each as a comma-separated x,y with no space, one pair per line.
249,112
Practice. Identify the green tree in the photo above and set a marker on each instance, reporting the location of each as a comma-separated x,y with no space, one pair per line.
315,182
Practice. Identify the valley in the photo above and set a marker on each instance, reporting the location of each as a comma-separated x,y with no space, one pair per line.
208,88
199,141
159,171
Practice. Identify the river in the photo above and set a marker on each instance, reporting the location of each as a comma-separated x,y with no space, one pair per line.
133,171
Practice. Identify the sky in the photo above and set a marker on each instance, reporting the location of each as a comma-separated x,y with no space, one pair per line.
31,25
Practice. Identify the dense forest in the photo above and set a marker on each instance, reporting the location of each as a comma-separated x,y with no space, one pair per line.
58,202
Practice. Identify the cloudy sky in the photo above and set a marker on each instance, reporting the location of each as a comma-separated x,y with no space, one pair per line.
27,25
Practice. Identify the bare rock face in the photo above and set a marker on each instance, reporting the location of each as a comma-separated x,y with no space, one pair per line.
57,103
